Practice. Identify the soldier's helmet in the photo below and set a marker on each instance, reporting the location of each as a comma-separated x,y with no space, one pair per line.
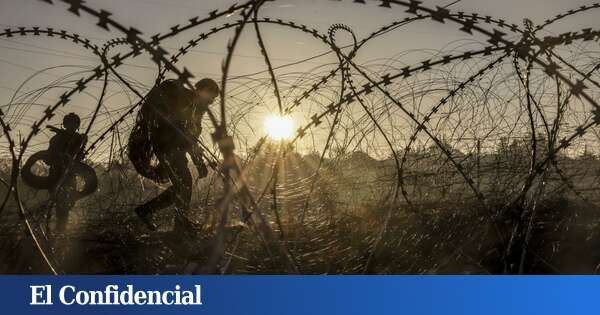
71,121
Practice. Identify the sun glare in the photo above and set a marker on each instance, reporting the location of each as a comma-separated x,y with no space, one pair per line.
279,127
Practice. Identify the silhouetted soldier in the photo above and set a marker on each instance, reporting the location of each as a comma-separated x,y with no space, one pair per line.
64,150
171,117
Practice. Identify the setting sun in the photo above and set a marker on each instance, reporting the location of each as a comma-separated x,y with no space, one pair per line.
279,127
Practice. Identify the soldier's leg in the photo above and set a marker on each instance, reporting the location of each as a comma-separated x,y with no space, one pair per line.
179,191
181,178
65,201
62,214
56,198
164,199
182,184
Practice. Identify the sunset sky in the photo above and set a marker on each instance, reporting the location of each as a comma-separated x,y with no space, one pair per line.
20,58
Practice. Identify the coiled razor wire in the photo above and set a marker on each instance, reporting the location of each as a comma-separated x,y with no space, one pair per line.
552,80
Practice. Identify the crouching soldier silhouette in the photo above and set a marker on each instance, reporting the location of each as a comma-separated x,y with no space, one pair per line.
64,158
167,129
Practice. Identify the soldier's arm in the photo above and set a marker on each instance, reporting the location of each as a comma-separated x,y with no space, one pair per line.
197,155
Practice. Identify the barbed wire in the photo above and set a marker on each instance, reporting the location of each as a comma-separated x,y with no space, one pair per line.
440,100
